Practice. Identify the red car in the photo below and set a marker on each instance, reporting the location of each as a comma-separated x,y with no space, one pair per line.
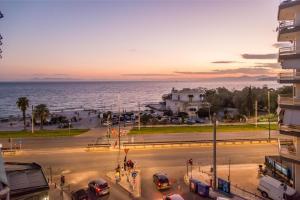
161,181
99,187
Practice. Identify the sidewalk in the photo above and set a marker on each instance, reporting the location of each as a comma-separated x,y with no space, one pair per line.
130,181
243,178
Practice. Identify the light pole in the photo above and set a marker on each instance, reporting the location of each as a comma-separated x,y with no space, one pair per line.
269,112
139,117
214,151
69,128
32,119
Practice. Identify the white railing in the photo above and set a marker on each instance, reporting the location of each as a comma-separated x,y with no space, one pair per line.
286,1
286,25
289,76
288,101
287,148
287,50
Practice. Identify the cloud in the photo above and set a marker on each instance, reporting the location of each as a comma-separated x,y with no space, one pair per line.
260,56
148,75
225,62
132,50
243,70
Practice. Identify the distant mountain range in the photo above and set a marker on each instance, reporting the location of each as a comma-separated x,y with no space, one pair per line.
216,79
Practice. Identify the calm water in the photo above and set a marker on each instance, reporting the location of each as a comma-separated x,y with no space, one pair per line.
99,95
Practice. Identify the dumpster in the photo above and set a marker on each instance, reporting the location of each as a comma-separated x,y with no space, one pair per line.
199,188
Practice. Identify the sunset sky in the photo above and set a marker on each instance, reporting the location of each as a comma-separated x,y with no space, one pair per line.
137,39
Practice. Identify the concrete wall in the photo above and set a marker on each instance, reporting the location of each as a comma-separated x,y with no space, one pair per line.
297,177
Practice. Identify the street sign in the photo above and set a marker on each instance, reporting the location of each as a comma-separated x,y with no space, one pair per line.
134,174
126,151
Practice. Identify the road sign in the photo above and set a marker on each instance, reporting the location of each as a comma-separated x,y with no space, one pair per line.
134,174
126,151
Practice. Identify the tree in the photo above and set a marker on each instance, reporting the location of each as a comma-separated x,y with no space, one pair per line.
250,102
145,119
23,104
42,112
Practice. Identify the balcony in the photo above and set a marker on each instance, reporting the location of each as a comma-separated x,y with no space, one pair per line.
288,31
289,77
289,102
287,9
290,130
287,149
288,53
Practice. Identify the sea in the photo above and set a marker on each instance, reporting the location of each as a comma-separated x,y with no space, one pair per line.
101,96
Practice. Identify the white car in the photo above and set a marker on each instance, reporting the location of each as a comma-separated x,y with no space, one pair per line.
276,190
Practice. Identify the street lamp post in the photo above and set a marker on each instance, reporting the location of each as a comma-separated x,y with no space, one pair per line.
269,112
214,151
32,120
69,128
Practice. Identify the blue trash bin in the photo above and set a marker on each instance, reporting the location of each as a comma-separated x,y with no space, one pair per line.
199,188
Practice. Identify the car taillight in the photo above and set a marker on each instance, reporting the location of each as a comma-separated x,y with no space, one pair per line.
98,190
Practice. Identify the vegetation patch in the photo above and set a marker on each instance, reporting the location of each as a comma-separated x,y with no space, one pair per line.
202,129
42,133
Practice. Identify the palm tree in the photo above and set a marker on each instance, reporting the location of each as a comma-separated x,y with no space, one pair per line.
23,104
42,112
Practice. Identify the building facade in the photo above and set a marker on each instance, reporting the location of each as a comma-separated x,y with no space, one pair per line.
186,100
289,107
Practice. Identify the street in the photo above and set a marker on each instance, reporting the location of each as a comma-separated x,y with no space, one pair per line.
79,167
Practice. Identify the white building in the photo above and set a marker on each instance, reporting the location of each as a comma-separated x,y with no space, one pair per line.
186,100
289,57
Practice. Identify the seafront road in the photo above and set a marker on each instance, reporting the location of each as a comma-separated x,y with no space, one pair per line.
67,156
91,136
80,167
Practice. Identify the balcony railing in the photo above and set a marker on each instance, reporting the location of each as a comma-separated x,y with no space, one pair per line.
288,101
287,50
287,148
285,25
289,76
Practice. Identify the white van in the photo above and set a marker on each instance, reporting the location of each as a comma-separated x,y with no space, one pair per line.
276,190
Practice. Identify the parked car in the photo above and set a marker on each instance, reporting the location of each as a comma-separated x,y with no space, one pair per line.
79,195
161,181
276,190
173,197
99,187
190,121
200,121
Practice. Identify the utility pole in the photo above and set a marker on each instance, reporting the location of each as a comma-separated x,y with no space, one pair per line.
119,123
32,120
215,151
256,119
139,117
119,159
269,112
229,164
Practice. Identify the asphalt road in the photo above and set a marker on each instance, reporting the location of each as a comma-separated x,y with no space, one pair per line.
99,135
79,167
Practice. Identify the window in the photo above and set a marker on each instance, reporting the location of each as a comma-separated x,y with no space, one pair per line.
190,97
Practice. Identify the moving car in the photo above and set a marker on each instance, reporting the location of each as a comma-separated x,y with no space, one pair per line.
173,197
161,181
99,187
79,195
276,190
